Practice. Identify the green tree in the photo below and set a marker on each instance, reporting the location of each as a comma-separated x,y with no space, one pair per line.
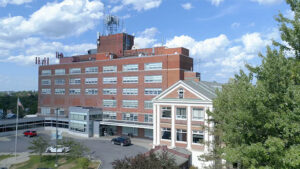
77,149
83,163
39,145
257,115
150,161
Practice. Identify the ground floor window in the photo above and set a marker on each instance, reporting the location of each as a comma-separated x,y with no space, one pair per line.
77,127
148,133
166,133
129,131
198,137
45,110
181,135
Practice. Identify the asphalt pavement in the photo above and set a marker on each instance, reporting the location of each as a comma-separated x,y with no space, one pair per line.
100,148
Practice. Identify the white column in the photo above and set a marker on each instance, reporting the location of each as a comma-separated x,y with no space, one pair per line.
206,128
158,130
154,125
189,128
173,130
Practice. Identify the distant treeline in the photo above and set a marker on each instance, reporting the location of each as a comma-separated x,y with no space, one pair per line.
29,100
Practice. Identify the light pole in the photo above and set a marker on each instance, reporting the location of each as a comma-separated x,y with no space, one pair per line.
56,164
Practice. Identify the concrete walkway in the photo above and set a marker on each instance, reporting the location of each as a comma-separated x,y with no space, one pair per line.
21,157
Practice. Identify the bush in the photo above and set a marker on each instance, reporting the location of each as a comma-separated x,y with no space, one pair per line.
83,163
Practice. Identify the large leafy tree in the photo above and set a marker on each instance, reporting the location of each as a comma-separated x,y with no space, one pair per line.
257,115
39,146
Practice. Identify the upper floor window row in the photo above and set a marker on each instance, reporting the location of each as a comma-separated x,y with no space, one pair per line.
153,66
91,70
60,71
109,69
75,71
46,82
153,79
130,67
91,80
46,72
131,79
109,80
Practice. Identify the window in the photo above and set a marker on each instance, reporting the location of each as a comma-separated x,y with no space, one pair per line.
130,67
109,103
166,112
148,118
60,112
181,135
131,79
129,116
148,133
46,82
148,104
74,81
198,137
74,71
59,91
109,80
180,93
109,91
153,66
45,110
181,113
74,91
91,91
130,103
91,70
198,114
46,91
166,133
129,130
109,115
153,79
152,91
60,71
109,69
59,81
130,91
46,72
77,127
91,80
78,117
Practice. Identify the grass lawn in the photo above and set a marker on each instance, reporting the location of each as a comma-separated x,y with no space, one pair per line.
49,161
2,157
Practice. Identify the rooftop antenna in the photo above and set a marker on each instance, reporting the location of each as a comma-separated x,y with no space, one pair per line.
112,24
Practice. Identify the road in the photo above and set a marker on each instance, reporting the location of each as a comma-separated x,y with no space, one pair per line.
99,148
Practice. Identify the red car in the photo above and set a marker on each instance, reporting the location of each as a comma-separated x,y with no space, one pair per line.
29,133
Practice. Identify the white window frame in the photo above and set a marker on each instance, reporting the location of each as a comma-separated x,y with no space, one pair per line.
45,110
153,79
109,69
111,115
130,91
130,116
46,72
75,71
165,129
91,70
73,81
130,79
60,71
59,81
180,116
202,114
130,68
166,108
46,91
152,91
109,80
46,82
149,118
153,66
112,103
59,91
74,91
92,80
131,104
109,91
200,133
148,104
91,91
181,131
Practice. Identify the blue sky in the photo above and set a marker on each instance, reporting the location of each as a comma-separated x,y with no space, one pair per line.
222,35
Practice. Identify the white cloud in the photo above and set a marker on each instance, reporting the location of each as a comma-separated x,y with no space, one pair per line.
146,38
187,6
116,9
235,25
253,42
216,2
4,3
69,17
140,5
267,2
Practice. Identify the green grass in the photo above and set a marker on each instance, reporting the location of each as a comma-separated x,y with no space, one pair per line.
2,157
49,161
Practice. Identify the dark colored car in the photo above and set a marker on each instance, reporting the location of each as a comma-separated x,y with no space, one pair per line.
123,141
30,133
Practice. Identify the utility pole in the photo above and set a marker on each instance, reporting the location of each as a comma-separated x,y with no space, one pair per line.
56,164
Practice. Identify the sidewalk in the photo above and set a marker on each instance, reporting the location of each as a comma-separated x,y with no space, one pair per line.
21,157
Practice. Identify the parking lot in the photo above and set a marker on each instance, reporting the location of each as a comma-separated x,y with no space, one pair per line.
100,148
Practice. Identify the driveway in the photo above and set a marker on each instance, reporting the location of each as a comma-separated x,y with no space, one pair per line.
100,148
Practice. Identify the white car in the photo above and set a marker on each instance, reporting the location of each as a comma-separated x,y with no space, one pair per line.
60,149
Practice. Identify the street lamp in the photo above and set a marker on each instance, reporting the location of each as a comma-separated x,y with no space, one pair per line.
56,164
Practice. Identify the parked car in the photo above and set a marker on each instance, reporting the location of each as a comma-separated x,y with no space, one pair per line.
60,149
30,133
123,141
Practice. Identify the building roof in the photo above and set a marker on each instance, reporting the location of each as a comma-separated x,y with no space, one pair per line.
206,88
